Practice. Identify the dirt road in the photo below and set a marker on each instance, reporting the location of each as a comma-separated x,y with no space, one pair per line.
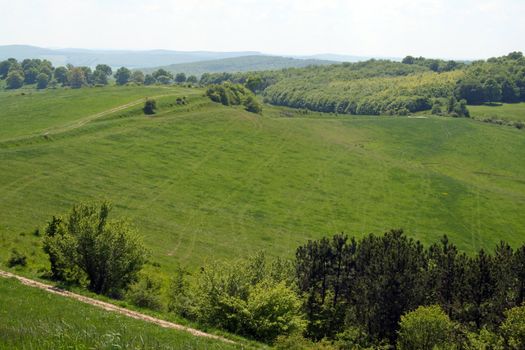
111,307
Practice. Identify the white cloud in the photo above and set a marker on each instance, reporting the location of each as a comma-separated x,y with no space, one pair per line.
445,28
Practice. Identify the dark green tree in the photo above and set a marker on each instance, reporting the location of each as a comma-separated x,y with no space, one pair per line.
60,75
122,76
180,78
42,80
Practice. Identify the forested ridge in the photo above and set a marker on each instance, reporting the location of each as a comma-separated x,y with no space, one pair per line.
386,87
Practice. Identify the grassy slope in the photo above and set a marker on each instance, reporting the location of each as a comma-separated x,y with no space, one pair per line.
506,111
39,111
33,319
218,182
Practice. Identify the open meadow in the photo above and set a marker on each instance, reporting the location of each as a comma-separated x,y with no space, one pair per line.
503,111
203,181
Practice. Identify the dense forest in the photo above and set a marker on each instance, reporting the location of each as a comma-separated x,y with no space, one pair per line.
339,292
385,87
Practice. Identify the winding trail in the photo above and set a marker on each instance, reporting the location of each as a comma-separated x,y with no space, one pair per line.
110,307
83,121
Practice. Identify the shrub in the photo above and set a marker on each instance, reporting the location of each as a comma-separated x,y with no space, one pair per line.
274,310
513,328
109,254
145,293
425,328
150,106
249,299
16,259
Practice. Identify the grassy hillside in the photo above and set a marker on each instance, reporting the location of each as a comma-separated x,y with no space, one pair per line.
204,181
36,112
53,322
505,111
240,64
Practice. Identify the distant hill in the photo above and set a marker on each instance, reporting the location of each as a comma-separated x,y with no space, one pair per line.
241,64
344,58
114,58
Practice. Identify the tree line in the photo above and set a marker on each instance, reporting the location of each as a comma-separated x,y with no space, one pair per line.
339,292
44,74
385,87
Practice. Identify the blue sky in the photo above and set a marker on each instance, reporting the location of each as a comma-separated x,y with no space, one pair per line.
432,28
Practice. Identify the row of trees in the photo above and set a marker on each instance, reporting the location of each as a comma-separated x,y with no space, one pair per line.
370,283
347,293
42,72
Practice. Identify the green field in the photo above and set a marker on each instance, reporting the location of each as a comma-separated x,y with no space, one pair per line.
204,181
504,111
34,319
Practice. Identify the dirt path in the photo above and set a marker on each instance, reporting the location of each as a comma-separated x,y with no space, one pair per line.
111,307
83,121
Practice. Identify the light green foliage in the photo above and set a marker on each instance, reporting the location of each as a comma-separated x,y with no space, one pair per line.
274,310
86,244
424,329
248,298
232,95
34,319
513,328
484,340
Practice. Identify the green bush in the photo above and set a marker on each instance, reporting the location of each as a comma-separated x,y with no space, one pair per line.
16,259
233,95
248,298
513,328
425,328
150,106
107,253
145,293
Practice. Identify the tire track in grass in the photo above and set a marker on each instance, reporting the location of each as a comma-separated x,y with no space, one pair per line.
112,308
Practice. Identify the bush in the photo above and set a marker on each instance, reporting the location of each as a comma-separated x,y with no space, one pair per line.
425,328
180,300
274,310
248,298
513,328
109,254
145,293
16,259
150,106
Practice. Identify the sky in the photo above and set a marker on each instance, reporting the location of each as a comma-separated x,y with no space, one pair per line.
458,29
